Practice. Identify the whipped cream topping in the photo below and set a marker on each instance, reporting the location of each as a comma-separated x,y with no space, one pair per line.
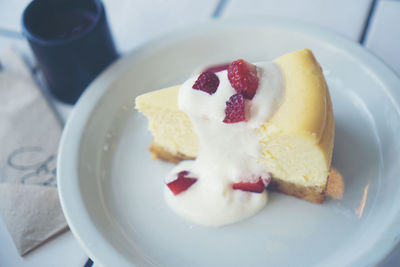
228,152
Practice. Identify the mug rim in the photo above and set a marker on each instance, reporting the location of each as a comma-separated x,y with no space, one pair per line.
32,36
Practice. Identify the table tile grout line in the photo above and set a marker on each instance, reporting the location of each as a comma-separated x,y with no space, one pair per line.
89,263
10,34
45,91
219,8
367,23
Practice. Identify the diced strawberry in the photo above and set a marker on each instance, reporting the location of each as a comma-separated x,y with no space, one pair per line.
207,82
243,77
181,183
217,68
235,110
255,187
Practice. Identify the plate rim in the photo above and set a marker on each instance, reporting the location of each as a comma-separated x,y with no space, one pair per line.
67,165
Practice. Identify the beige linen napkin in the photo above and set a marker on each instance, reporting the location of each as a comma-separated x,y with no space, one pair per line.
29,135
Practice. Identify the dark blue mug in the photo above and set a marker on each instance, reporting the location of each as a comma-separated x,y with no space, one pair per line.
71,41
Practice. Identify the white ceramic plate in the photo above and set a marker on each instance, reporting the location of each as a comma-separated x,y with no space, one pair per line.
111,191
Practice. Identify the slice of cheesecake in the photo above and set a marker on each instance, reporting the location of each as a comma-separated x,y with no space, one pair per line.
296,142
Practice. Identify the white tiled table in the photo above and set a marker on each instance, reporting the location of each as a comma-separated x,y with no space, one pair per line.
375,24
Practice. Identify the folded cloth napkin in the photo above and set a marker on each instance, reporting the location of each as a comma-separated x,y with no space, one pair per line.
29,135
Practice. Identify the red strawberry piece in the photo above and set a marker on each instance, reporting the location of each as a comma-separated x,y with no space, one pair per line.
181,183
243,77
217,68
235,110
255,187
208,82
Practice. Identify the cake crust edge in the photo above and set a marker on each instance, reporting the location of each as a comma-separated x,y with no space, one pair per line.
158,152
314,194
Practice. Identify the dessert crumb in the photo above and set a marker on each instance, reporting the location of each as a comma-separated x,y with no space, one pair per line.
335,186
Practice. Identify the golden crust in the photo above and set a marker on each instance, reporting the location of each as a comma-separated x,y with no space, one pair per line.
158,152
314,194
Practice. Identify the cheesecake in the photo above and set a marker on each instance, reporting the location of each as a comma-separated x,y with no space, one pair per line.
276,123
